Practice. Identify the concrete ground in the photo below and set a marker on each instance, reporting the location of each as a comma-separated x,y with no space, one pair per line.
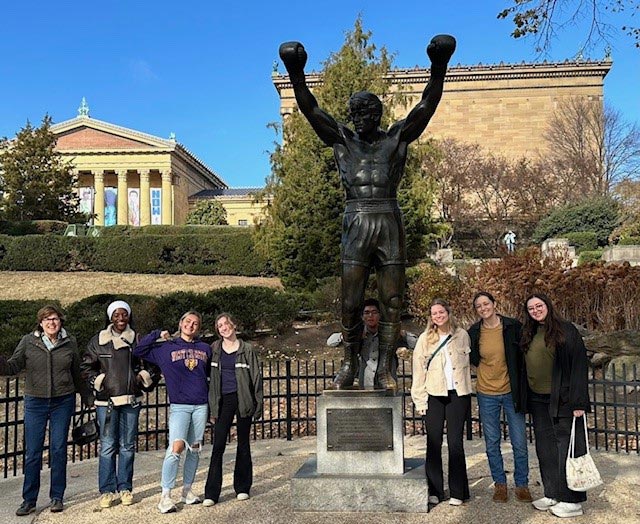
276,461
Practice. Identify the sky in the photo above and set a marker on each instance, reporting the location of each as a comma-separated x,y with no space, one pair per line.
202,69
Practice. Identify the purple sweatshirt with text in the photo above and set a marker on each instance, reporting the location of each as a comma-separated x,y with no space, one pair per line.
184,366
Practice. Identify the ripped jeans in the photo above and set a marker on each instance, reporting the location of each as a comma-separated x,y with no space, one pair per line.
186,425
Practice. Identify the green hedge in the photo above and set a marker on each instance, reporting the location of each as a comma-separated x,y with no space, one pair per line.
134,231
629,241
226,253
590,256
31,227
254,307
583,240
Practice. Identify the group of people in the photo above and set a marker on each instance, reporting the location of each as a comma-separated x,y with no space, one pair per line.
539,367
217,382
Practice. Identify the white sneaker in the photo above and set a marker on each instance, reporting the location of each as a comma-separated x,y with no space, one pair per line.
243,496
455,502
566,509
190,498
433,499
166,505
207,503
544,503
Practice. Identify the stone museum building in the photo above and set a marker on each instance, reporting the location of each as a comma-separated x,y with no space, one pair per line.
129,177
506,108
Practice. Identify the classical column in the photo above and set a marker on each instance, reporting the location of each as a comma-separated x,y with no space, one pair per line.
98,199
166,198
123,197
145,199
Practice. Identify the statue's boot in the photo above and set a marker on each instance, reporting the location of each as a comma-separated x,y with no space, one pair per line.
352,340
388,335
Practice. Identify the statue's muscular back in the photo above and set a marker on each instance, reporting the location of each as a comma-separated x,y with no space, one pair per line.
370,170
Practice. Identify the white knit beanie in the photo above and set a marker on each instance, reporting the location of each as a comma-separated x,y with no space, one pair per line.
118,304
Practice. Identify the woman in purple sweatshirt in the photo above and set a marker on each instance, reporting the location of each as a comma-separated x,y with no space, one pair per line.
183,360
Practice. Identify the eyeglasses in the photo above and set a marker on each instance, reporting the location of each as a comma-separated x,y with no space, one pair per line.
368,312
536,307
51,319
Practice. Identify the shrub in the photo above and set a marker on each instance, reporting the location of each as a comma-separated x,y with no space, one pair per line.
18,319
31,227
600,215
119,231
629,241
45,253
254,307
222,254
429,282
593,255
582,240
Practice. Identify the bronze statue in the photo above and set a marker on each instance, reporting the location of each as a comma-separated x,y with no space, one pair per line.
371,163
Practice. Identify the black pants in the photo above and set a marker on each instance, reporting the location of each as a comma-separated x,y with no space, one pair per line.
243,472
454,410
552,444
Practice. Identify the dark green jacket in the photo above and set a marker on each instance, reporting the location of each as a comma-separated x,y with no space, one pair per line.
49,373
511,331
248,377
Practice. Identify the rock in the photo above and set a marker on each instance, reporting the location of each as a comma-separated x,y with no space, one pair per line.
614,344
600,360
624,369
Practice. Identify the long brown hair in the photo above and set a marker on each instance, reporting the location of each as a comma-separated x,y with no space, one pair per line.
553,336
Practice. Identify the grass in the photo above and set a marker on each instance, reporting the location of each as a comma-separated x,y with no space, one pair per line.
71,287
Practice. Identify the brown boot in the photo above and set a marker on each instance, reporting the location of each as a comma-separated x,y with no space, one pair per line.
523,495
500,493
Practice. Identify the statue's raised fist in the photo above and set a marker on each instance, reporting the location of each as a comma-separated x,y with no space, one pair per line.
294,56
441,48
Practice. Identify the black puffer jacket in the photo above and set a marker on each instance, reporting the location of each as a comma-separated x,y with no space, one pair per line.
50,373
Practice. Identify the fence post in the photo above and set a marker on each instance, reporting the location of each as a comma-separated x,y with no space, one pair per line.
287,367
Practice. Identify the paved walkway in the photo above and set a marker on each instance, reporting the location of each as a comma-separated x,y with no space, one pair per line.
276,461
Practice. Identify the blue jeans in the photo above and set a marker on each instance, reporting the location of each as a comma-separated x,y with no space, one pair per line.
186,423
37,411
118,438
490,407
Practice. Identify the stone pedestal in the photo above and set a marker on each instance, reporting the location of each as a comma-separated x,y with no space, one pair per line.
360,462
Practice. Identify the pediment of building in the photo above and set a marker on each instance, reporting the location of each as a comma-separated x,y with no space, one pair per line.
85,133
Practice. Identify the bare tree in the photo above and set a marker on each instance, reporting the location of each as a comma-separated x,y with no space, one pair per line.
544,19
591,148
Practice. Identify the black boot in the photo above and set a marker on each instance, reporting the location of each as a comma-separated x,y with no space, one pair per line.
388,335
352,340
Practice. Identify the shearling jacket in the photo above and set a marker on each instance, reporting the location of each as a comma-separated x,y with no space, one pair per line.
50,373
433,381
248,377
114,373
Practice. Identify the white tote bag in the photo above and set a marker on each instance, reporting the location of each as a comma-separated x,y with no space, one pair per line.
582,473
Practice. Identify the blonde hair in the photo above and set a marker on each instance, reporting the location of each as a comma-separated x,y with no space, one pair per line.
432,329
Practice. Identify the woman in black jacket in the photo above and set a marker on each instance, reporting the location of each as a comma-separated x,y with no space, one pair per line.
557,379
496,354
118,380
52,363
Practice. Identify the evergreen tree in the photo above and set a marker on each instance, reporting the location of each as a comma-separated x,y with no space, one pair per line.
301,235
208,213
38,184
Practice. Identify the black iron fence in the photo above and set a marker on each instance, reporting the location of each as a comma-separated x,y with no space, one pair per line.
290,392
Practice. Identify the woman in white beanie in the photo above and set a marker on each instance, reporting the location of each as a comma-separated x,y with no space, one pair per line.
118,380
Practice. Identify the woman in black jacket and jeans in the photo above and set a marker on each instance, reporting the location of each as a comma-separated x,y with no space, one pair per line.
557,379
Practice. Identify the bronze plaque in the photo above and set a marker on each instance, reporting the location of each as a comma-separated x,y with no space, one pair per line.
360,429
